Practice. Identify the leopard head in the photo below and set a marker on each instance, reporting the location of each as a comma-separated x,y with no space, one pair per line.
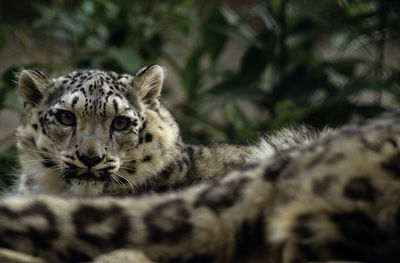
84,133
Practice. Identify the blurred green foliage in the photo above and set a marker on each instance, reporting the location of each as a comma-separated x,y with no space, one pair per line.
281,78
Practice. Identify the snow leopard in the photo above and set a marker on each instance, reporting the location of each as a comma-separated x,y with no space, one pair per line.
93,132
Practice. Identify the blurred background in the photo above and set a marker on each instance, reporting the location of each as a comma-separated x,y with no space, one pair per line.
236,69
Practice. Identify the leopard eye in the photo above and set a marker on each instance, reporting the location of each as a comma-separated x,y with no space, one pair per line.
121,123
66,118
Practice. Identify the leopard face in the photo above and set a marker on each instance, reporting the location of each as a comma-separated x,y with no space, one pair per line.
82,132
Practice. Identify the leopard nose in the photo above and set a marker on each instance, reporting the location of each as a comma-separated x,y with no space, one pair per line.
89,161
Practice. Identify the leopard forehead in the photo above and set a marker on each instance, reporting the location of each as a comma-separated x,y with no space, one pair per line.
94,93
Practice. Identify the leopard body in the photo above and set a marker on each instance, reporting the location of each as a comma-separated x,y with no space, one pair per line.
295,197
334,199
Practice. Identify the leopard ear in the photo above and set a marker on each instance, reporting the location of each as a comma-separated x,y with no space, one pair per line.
32,84
149,82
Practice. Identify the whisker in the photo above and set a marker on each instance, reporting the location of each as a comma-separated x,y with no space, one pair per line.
125,167
57,166
47,154
116,179
131,184
129,160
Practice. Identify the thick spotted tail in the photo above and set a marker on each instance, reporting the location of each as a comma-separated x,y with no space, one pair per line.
207,223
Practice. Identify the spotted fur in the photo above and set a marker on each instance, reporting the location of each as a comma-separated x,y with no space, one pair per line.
335,199
71,141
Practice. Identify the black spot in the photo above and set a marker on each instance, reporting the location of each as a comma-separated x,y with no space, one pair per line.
370,145
118,226
180,165
47,162
359,228
309,252
147,158
70,173
249,166
392,141
302,229
74,255
303,232
106,169
32,140
335,158
191,164
131,170
393,166
314,161
360,188
41,238
74,101
275,169
321,186
144,125
115,104
148,137
346,251
70,157
30,182
35,126
166,172
161,188
250,237
219,197
304,218
53,95
178,185
169,223
42,121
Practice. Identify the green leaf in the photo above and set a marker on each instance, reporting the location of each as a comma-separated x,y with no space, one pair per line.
265,14
192,73
240,29
287,113
256,58
360,85
183,21
301,83
214,37
243,127
345,67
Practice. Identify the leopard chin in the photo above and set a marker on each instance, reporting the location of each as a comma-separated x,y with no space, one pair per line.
77,187
86,175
